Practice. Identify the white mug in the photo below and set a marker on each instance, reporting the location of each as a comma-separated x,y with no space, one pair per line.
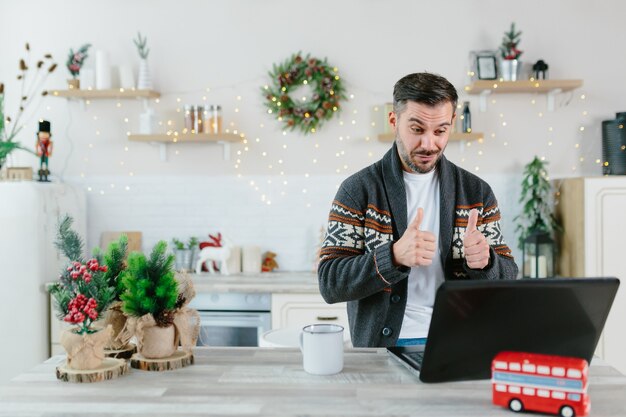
322,348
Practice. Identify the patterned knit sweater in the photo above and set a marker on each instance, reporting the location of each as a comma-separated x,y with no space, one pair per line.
369,213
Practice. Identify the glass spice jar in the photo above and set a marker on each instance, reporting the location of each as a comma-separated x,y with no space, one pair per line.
198,119
207,119
190,115
217,119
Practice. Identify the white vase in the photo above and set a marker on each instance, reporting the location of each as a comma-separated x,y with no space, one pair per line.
509,69
147,122
103,71
145,80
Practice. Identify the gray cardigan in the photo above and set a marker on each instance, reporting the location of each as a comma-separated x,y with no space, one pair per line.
369,213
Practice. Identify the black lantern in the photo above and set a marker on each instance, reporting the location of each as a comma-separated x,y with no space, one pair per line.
538,256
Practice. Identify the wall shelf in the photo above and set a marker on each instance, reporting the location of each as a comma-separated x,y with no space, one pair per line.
550,87
389,137
105,94
224,139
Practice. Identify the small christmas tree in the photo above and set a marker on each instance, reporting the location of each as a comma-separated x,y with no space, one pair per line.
150,286
511,39
86,288
536,202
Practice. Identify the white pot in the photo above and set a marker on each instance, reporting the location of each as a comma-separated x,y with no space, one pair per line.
509,69
145,79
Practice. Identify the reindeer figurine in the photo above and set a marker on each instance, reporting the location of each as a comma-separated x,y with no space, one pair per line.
219,254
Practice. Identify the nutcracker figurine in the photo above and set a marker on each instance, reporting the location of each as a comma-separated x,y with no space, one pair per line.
44,149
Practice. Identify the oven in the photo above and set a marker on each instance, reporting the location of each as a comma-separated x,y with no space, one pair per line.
232,319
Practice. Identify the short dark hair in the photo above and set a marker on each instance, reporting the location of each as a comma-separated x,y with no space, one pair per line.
425,88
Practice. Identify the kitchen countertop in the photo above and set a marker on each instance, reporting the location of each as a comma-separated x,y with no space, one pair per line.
271,382
266,282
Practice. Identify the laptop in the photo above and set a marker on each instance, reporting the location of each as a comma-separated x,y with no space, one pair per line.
474,320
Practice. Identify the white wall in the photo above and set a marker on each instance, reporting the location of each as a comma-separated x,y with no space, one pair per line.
229,46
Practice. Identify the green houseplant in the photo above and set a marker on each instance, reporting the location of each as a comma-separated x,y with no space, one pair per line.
510,54
32,77
184,254
536,224
150,298
536,201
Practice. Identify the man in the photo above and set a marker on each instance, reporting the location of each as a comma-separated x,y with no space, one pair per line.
398,228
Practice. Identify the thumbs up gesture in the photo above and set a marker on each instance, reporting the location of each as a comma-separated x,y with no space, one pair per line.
475,244
416,247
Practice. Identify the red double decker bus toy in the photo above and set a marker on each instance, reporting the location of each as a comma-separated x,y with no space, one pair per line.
543,383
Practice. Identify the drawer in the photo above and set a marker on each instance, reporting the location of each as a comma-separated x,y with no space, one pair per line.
298,310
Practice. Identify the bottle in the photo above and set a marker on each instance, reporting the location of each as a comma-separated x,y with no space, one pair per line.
217,119
189,118
467,118
146,122
197,125
207,119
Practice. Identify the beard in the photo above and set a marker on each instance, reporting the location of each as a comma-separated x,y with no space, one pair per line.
412,161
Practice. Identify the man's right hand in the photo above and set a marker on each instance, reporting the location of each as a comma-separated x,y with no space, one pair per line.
416,247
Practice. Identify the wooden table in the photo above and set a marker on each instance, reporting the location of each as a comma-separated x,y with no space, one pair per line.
271,382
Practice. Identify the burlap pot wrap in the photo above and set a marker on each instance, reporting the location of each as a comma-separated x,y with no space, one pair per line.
187,320
185,329
85,351
117,319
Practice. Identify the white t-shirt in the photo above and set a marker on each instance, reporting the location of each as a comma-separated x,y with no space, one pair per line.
422,190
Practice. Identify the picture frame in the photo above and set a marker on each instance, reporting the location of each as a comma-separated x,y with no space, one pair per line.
486,67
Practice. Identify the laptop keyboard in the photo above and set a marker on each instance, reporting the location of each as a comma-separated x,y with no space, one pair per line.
415,357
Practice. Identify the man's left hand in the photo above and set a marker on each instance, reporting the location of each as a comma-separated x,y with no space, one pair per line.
475,244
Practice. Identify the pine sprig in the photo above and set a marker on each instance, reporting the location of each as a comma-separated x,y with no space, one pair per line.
68,241
115,260
150,286
536,200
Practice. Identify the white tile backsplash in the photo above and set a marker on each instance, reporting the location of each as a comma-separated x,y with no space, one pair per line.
176,206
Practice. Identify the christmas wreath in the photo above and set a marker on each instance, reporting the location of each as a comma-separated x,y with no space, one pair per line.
306,114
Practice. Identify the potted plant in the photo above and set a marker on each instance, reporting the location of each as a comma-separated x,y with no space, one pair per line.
114,262
9,127
184,255
81,296
145,80
74,63
509,63
536,223
150,296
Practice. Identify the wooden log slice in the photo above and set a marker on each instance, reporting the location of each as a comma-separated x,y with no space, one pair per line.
179,359
124,353
110,368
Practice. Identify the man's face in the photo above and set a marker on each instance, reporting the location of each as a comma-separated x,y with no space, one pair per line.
422,133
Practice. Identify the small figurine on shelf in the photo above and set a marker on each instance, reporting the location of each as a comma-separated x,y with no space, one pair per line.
44,149
269,262
219,253
541,70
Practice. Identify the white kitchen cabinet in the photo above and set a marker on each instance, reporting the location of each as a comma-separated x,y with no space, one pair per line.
29,213
291,310
592,211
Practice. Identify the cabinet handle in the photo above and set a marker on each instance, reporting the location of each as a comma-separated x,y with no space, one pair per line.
327,318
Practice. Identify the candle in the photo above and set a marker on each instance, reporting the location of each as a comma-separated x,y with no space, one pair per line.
542,271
